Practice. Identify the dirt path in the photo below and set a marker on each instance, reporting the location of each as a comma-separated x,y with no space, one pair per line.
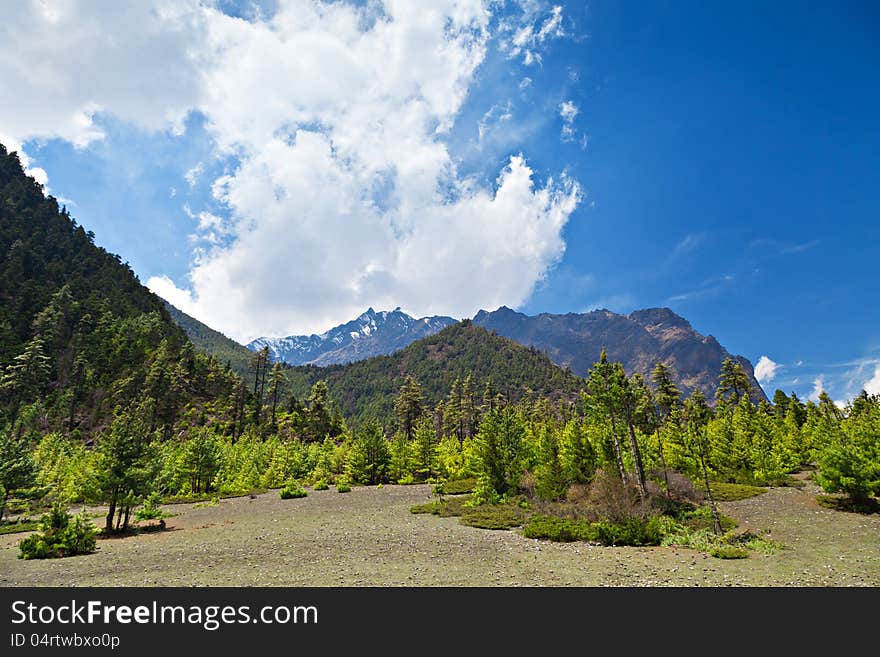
369,537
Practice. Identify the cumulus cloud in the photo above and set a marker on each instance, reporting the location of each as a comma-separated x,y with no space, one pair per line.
343,193
64,63
765,370
872,385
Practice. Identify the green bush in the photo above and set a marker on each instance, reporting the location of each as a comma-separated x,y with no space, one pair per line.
726,551
629,531
493,516
562,530
701,518
456,487
343,486
151,509
321,485
293,490
60,536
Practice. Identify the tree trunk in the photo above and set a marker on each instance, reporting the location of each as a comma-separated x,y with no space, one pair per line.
125,521
108,527
617,450
3,505
716,519
637,460
662,461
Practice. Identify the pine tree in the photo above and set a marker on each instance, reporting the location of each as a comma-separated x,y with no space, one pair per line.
370,456
409,405
697,415
276,389
425,448
601,384
733,382
17,468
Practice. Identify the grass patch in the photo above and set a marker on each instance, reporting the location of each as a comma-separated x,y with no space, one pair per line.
209,497
456,487
445,509
560,530
727,551
727,492
493,516
836,503
21,526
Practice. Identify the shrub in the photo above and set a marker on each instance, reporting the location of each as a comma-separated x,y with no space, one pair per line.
342,486
613,500
630,531
562,530
682,488
493,516
321,485
151,509
727,551
293,490
61,536
456,487
701,518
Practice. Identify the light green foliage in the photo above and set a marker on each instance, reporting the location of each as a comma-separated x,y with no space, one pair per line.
456,460
849,454
402,459
292,490
576,451
151,509
60,535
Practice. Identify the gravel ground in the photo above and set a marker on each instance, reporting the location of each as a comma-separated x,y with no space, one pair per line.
369,538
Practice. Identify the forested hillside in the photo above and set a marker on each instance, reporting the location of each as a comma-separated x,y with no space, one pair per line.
79,334
457,353
214,343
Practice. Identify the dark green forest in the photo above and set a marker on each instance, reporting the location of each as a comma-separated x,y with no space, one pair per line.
105,400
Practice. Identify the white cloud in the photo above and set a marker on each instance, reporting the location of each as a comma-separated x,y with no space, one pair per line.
818,388
568,111
65,62
536,27
346,195
872,385
765,370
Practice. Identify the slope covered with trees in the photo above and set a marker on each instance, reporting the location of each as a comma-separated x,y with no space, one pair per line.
214,343
367,388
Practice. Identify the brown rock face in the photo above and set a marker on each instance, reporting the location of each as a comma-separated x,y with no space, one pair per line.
639,340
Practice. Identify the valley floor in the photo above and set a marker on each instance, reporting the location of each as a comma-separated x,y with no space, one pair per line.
369,537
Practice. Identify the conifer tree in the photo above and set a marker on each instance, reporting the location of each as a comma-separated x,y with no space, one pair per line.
409,405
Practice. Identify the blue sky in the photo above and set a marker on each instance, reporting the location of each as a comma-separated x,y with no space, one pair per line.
719,159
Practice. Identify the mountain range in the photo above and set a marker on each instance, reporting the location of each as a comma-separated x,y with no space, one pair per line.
639,340
371,334
572,341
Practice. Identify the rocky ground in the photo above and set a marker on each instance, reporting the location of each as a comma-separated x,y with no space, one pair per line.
369,537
